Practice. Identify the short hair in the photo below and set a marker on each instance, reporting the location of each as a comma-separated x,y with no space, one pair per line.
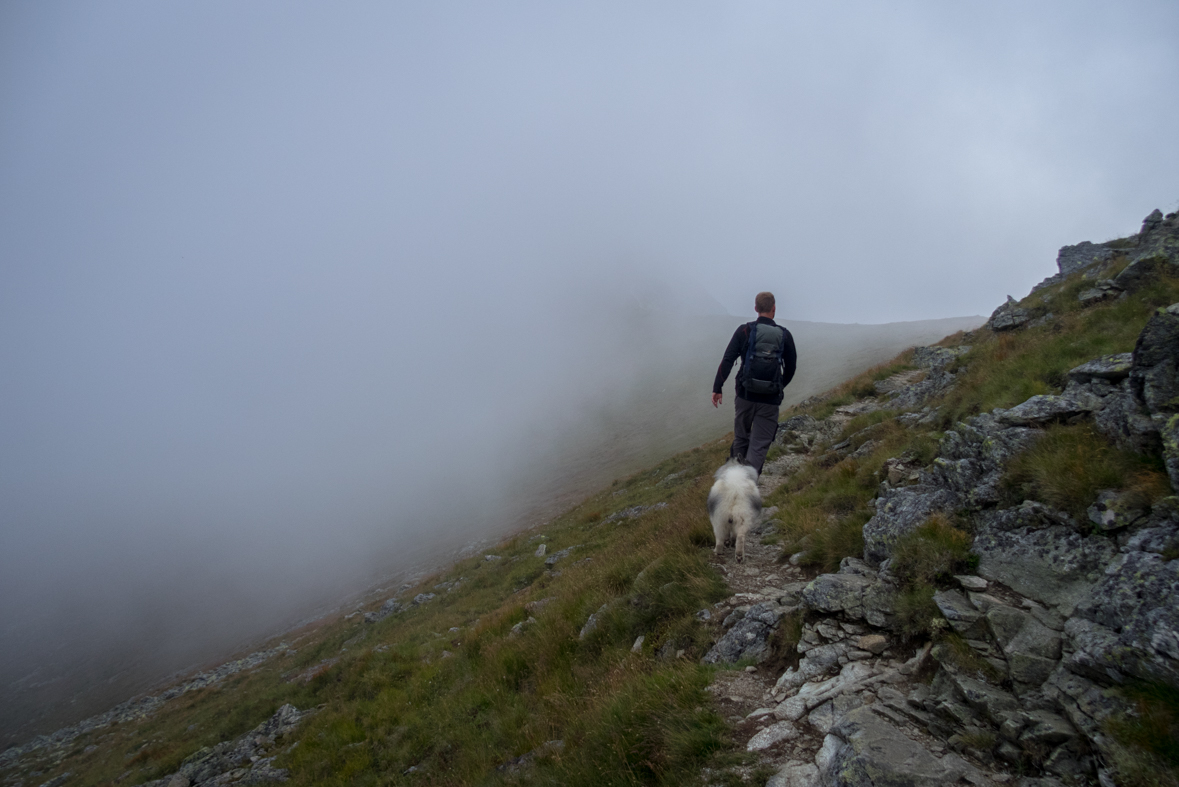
764,302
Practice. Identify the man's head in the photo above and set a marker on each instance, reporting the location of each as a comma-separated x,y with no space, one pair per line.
764,304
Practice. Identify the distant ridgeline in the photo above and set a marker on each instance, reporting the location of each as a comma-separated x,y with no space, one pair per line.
967,572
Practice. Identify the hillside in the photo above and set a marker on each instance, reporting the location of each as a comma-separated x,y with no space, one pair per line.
966,574
616,418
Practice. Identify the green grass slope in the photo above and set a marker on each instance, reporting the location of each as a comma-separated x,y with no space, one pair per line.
451,691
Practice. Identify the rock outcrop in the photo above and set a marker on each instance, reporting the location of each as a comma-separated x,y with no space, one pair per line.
1060,614
1150,252
248,759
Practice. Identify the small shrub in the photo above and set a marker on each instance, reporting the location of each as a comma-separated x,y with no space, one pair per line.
784,644
700,535
931,553
1150,737
916,612
954,649
983,740
826,545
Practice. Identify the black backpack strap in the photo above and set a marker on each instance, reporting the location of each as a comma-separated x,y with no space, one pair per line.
749,347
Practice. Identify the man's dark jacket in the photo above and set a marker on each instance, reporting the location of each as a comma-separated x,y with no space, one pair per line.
736,349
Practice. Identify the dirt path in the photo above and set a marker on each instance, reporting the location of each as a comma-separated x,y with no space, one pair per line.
740,694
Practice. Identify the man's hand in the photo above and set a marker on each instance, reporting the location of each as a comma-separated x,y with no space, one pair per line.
716,400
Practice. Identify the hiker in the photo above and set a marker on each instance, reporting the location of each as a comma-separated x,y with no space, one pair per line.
767,367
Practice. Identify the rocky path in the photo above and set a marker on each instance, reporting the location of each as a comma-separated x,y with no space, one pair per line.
1013,694
787,715
741,696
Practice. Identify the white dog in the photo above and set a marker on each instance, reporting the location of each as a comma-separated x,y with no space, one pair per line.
734,505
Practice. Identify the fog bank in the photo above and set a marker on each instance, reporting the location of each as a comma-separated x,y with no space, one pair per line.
294,294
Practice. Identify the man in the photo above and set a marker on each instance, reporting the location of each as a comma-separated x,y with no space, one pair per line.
767,367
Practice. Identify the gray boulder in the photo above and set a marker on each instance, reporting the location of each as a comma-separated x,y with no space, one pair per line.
1104,290
798,423
835,593
962,615
972,455
910,397
989,703
1154,380
934,357
1127,625
390,607
1142,272
1159,236
1029,514
1053,565
1124,419
1032,649
1160,532
748,638
1086,704
866,750
1009,316
1071,259
1113,368
899,512
1076,400
1114,510
795,774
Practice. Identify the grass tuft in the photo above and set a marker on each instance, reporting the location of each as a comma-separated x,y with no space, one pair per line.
932,553
1150,737
1069,465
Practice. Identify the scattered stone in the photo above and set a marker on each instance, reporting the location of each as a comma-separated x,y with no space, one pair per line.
592,623
554,558
247,753
390,607
1115,510
971,582
775,733
873,643
748,638
1104,290
139,708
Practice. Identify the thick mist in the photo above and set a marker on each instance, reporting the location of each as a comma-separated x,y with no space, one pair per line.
294,298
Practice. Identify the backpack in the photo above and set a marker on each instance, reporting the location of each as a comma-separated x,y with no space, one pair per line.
761,370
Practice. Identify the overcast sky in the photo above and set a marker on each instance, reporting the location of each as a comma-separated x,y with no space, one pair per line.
273,274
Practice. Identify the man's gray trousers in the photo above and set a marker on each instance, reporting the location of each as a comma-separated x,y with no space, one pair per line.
753,430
